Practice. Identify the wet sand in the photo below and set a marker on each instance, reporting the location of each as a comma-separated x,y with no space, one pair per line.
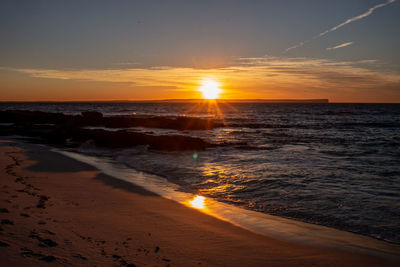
58,211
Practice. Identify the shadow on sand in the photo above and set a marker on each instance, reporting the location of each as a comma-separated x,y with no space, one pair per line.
52,162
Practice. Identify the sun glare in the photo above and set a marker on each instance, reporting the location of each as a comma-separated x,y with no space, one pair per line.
210,89
197,202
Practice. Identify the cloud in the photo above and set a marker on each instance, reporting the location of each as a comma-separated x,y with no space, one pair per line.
296,46
340,46
363,15
274,77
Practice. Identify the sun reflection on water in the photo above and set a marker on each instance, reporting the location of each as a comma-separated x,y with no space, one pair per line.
197,202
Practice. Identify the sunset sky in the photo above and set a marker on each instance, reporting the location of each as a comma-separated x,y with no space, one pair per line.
346,51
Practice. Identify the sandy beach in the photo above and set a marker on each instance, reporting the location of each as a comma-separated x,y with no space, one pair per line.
58,211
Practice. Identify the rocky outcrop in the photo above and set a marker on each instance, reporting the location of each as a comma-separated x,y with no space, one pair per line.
92,118
60,129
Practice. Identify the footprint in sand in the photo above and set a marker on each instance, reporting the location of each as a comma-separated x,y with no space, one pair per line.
7,221
29,253
4,244
44,242
42,202
4,210
48,232
79,256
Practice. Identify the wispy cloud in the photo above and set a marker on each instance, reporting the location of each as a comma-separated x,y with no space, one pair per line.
361,16
340,46
256,77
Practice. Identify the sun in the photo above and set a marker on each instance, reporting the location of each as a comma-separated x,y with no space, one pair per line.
210,89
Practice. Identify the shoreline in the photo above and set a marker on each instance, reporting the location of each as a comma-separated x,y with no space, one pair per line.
261,223
78,207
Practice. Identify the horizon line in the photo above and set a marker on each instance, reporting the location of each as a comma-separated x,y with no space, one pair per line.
188,100
322,100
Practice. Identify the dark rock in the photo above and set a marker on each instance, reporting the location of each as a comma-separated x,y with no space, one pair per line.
3,210
156,249
57,128
92,116
116,256
119,139
175,123
30,117
25,215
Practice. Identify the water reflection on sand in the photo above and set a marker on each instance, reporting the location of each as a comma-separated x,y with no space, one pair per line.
261,223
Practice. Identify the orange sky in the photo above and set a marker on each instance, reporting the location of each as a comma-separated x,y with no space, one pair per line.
245,78
345,51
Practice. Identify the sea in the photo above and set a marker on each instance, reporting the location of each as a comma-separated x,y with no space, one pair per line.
331,164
